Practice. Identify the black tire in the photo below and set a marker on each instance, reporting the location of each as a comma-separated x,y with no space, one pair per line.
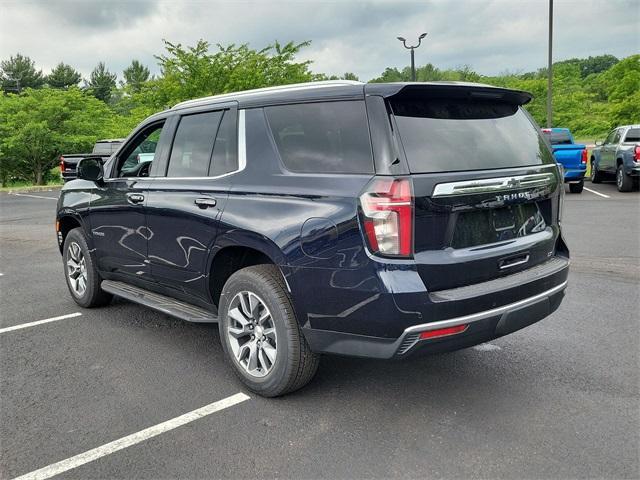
93,295
624,182
295,364
576,187
596,175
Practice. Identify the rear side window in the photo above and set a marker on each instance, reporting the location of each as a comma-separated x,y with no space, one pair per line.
633,135
193,145
225,156
329,137
445,135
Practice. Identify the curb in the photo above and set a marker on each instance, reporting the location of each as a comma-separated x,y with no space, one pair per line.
44,188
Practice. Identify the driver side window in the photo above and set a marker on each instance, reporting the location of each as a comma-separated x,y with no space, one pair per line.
136,160
609,138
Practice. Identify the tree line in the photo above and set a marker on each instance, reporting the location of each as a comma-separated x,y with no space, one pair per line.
45,115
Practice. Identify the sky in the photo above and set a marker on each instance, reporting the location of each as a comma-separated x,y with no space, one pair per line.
492,36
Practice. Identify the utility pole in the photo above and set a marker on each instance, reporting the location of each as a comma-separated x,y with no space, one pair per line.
550,69
412,48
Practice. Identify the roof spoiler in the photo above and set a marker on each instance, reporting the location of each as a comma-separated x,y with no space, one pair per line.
449,90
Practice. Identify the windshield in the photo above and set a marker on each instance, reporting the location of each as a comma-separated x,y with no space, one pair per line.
444,135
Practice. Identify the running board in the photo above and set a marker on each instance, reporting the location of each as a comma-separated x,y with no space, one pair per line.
162,303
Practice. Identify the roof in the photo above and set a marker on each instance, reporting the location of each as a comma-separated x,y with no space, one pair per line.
347,89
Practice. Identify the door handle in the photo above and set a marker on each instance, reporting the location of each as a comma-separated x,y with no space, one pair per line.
135,198
205,202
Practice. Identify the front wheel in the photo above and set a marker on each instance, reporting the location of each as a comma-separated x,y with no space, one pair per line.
576,187
260,334
81,274
624,182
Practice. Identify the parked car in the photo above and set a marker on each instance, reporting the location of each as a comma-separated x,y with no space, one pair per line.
572,156
374,220
618,155
102,148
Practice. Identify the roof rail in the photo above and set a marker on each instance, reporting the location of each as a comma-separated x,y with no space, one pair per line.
279,88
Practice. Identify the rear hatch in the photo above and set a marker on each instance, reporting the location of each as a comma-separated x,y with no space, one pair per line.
485,185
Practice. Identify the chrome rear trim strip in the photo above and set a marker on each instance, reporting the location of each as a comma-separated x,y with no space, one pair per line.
452,322
488,185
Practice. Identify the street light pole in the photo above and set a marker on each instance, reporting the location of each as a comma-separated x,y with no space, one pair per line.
550,69
412,48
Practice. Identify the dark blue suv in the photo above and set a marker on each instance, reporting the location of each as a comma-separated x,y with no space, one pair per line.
376,220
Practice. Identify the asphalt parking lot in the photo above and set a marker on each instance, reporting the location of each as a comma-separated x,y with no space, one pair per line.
559,399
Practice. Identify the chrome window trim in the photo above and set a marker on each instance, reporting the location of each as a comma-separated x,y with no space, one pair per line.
242,158
488,185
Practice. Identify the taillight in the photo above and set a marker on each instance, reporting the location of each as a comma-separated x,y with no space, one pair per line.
583,159
61,164
636,154
387,207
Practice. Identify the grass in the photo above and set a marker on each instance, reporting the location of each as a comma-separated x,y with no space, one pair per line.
54,175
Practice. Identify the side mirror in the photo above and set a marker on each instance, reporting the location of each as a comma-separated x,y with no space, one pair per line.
599,143
90,168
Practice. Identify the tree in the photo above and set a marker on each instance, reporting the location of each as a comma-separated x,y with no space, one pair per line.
102,82
135,75
18,73
191,72
350,76
39,125
63,76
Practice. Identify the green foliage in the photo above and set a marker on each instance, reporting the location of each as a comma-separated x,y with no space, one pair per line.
590,95
191,72
102,82
18,73
63,76
135,75
39,125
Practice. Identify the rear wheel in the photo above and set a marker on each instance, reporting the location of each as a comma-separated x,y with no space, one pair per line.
81,274
576,187
623,181
260,334
596,176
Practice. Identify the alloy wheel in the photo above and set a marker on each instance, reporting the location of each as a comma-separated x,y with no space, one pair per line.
252,334
76,269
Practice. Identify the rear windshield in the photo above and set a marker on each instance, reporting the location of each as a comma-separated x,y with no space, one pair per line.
445,135
558,138
103,148
633,135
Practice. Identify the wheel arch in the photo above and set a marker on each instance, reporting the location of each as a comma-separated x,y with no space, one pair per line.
231,256
64,224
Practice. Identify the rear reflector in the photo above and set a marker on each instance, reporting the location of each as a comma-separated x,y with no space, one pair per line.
443,332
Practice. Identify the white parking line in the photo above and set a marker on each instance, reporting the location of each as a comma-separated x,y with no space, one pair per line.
597,193
39,322
133,439
33,196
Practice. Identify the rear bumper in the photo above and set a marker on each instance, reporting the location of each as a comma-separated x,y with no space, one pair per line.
386,320
480,327
574,174
634,171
